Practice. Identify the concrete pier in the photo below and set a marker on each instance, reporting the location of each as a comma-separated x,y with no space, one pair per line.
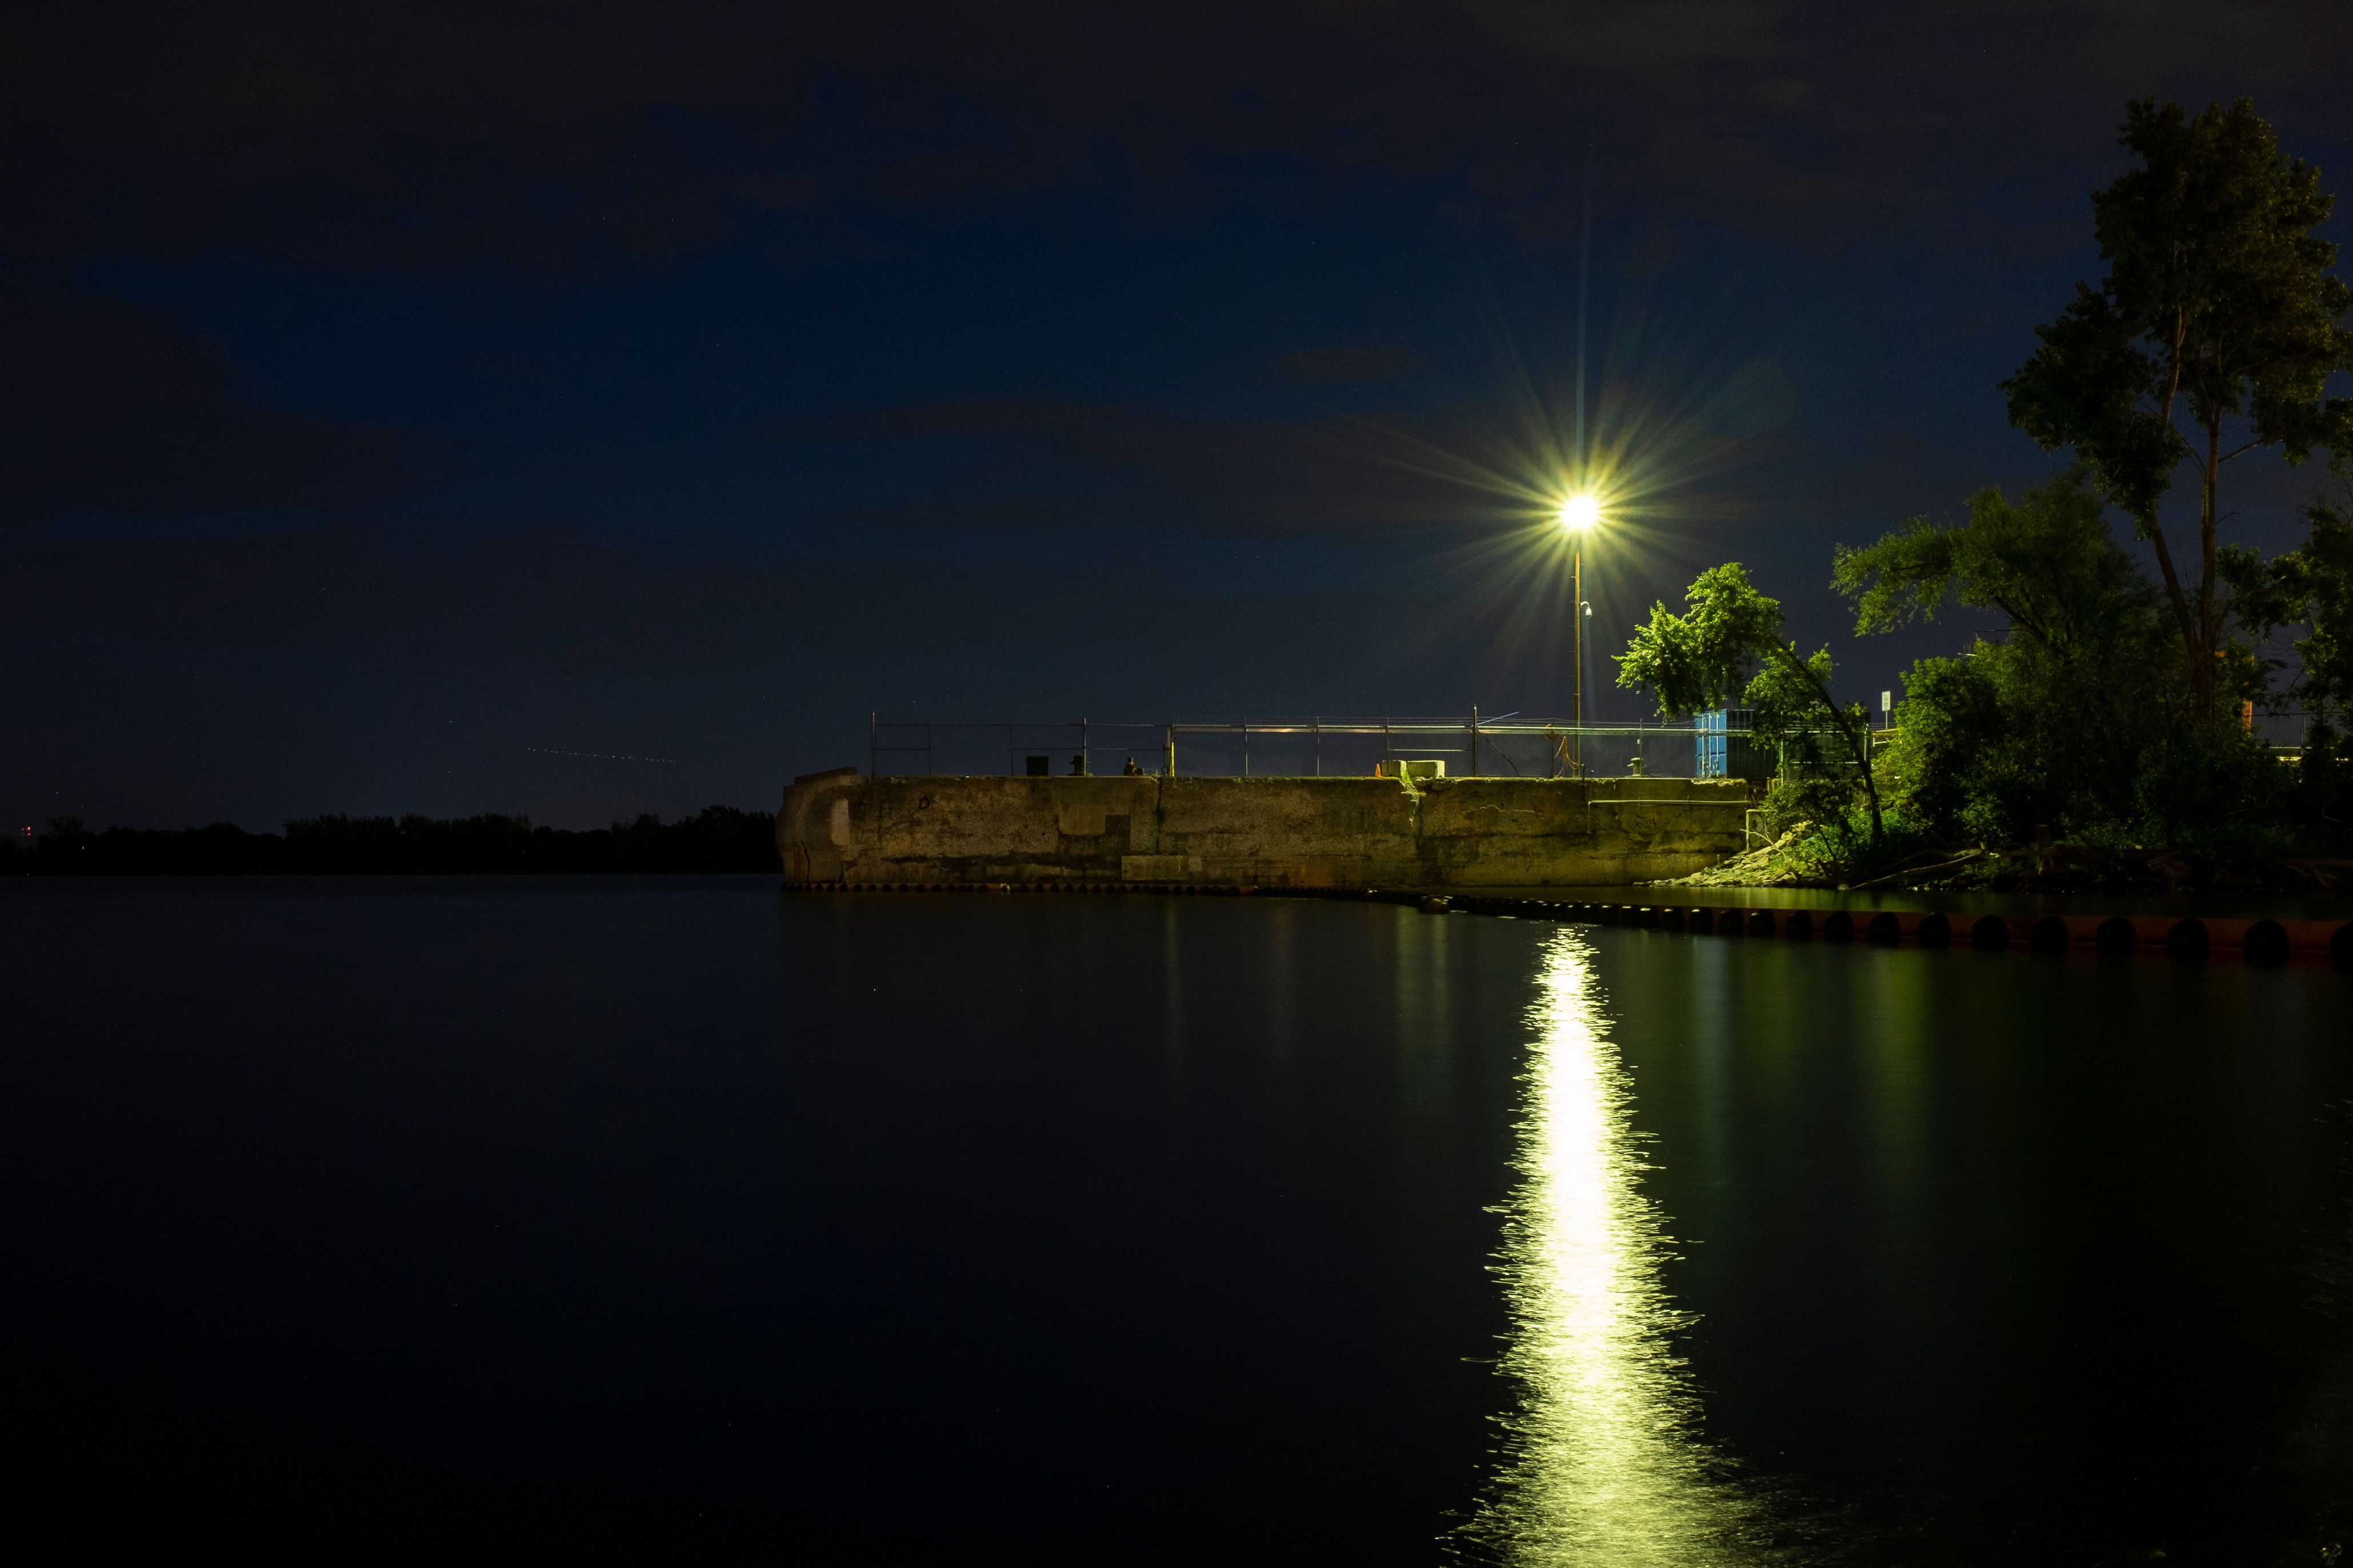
841,826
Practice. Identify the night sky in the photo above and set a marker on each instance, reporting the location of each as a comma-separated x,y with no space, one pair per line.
421,407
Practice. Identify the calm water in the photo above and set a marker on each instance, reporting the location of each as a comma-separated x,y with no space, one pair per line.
676,1219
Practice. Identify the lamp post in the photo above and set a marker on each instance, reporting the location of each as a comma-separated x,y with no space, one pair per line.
1580,515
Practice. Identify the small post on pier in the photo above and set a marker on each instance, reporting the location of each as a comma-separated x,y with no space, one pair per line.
1474,739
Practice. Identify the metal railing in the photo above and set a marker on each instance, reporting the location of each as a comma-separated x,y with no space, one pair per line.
1505,747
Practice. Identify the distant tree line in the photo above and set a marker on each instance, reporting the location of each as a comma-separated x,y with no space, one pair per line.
2111,714
717,838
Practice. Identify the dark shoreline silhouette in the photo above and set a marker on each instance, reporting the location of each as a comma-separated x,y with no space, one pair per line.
718,838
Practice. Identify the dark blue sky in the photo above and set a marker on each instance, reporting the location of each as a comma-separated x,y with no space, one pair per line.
402,398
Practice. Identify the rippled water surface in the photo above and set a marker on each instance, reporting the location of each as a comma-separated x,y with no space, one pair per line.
676,1218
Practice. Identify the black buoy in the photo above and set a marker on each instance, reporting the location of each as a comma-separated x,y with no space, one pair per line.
1838,926
2266,942
2049,935
1760,923
1798,926
2115,939
2187,940
1990,934
1884,931
1728,924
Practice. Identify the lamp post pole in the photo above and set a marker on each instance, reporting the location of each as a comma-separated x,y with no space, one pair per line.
1579,513
1584,610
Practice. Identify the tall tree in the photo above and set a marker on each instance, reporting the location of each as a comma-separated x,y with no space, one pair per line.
1730,642
2219,313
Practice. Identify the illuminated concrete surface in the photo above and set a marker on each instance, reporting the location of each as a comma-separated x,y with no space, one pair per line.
1263,832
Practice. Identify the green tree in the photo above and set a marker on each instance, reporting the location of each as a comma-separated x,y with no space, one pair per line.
2310,588
1730,642
2073,714
2040,726
2219,309
1953,766
2314,587
2047,561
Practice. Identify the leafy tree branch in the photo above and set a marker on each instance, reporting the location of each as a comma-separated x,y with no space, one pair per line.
1729,643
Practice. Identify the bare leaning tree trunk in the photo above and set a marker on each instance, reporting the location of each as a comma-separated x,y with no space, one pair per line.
1856,734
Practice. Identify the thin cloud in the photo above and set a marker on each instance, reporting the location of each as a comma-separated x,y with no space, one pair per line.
106,409
630,134
1347,364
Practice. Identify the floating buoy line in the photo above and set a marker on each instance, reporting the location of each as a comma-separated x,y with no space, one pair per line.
2177,936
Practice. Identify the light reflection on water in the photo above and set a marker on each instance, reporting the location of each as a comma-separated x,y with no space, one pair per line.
1602,1462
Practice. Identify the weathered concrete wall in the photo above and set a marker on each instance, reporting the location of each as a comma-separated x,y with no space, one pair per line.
1311,833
